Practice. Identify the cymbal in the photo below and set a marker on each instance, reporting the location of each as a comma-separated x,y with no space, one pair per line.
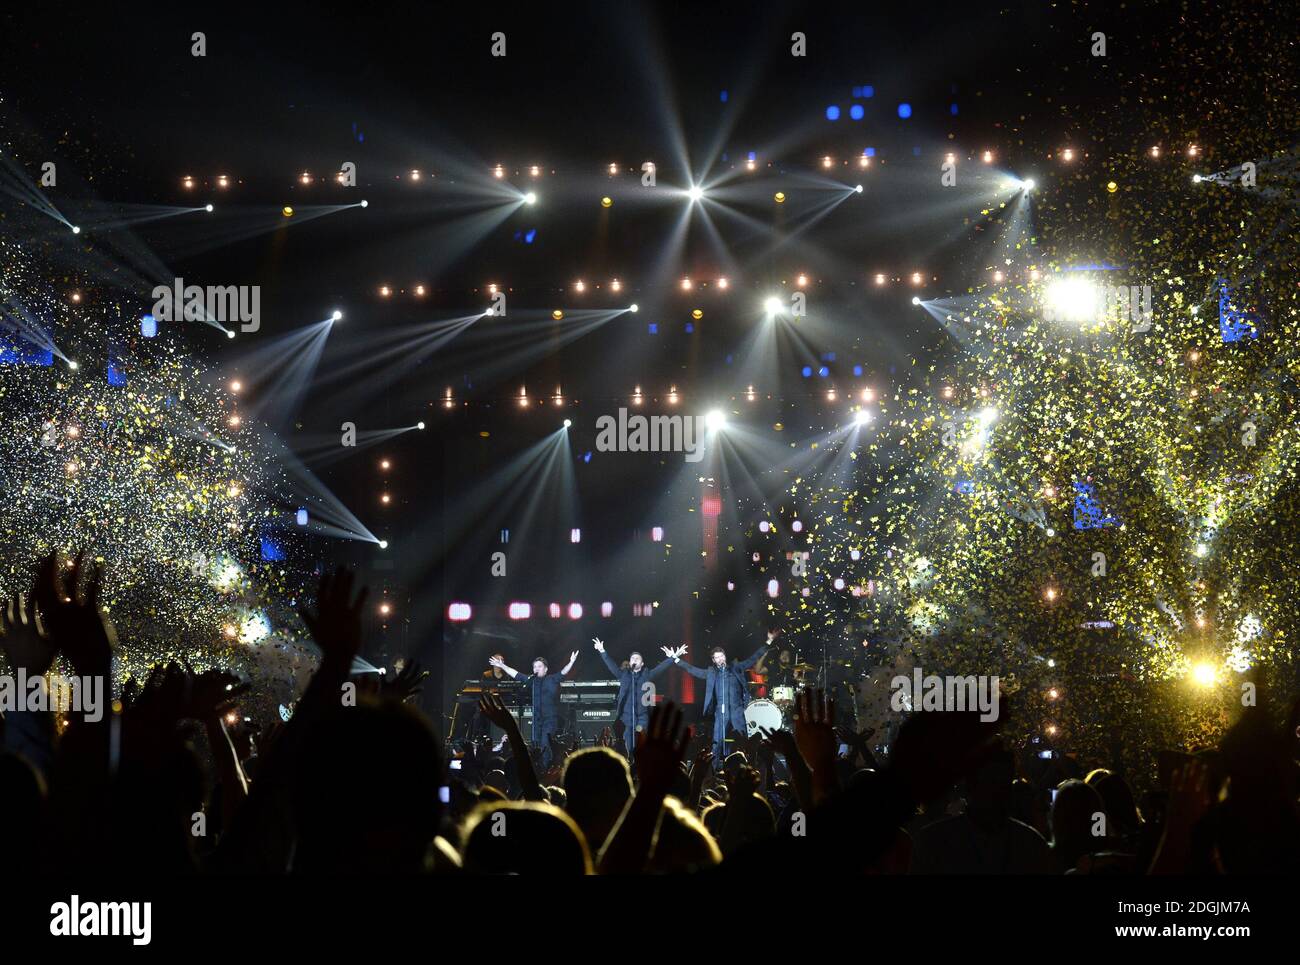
802,667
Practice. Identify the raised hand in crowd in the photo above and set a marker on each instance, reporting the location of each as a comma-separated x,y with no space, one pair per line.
659,750
814,734
335,624
494,709
70,610
23,639
406,684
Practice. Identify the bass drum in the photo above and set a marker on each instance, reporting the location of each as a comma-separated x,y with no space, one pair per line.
762,713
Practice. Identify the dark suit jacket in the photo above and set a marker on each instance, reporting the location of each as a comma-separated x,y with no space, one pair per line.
628,706
545,695
727,684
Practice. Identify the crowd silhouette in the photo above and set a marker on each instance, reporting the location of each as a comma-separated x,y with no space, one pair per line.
162,784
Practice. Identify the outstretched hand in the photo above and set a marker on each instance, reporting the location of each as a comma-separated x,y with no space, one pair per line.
745,780
491,707
781,741
212,693
600,644
23,638
407,684
71,613
814,727
851,737
702,765
336,624
659,748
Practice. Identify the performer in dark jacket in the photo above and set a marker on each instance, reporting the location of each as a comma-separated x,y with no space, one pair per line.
726,692
544,689
634,697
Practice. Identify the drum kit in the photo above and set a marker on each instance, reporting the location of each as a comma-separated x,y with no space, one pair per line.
777,710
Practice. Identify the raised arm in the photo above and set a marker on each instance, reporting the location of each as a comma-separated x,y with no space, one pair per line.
692,670
573,658
600,649
659,750
491,707
659,668
501,665
754,657
676,656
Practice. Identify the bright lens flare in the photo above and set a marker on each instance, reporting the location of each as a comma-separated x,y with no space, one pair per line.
1072,300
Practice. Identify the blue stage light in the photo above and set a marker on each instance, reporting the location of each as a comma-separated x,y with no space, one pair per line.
148,326
1234,322
1087,511
806,371
833,113
856,112
904,110
868,91
16,351
301,517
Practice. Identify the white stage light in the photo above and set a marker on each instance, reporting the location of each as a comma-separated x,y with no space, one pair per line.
530,198
715,420
695,193
1073,300
772,305
337,315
